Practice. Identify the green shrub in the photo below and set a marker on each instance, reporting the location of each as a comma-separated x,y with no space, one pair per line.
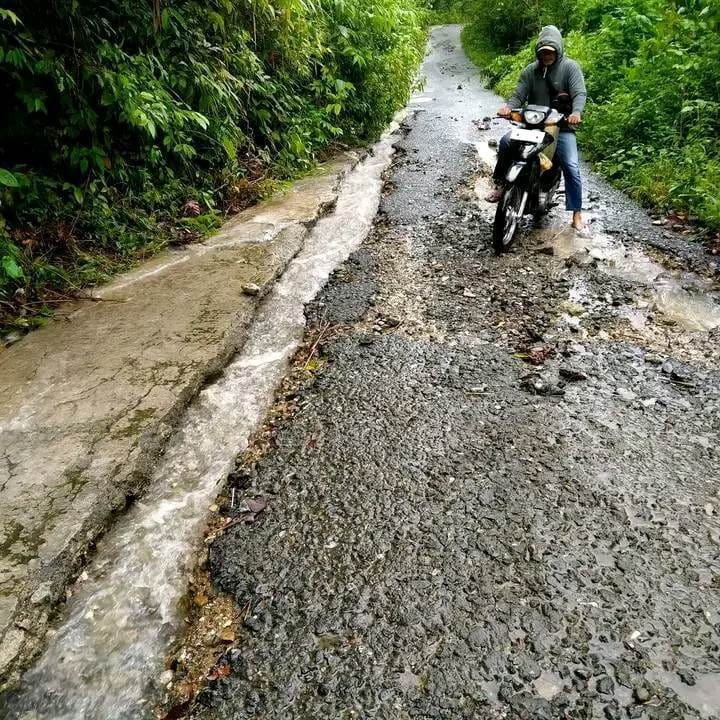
116,114
506,25
446,12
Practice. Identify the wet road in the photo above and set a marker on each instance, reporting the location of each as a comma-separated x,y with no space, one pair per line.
498,498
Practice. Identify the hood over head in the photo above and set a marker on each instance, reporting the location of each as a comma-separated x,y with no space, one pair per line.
552,37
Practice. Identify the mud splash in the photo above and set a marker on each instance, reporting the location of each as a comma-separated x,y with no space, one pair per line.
106,658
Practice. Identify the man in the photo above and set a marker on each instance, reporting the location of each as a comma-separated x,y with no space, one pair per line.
540,83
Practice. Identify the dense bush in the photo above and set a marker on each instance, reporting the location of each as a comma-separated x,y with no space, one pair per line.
446,12
653,118
116,114
508,23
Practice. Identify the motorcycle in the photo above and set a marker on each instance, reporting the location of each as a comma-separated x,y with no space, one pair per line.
532,178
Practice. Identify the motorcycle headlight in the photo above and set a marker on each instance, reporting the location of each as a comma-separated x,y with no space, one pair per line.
533,117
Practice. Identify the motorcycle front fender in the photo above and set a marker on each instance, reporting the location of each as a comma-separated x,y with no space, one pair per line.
514,172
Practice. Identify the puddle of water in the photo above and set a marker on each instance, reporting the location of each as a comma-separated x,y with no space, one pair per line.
703,696
102,661
682,298
695,309
695,312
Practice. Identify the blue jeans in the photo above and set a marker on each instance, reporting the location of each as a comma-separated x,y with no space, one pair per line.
567,153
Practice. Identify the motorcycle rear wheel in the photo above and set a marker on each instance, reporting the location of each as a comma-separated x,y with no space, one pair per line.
507,217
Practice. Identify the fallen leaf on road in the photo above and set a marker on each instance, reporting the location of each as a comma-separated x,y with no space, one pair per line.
313,364
218,672
535,356
539,354
573,308
255,507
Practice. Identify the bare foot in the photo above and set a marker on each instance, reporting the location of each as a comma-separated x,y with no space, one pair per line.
578,225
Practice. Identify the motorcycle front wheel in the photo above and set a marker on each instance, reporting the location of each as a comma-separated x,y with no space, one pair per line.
507,217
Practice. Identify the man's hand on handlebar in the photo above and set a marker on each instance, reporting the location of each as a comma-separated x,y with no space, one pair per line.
504,111
574,119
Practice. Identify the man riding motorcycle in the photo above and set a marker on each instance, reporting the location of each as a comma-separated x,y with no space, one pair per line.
554,81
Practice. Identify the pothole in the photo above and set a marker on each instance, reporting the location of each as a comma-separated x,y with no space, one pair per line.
685,299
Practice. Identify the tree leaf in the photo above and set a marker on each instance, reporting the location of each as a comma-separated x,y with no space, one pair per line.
7,178
11,268
9,15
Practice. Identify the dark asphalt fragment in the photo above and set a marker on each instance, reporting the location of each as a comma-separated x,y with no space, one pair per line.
572,374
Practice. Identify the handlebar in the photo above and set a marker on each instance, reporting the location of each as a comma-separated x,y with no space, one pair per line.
518,111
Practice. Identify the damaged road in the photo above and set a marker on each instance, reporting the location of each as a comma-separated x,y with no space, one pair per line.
498,498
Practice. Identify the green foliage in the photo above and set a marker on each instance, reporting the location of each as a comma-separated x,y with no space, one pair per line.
507,24
478,46
446,12
115,114
653,117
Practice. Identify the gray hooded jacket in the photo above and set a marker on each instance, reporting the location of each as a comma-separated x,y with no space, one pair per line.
564,75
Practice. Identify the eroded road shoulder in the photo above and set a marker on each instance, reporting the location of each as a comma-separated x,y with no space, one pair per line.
499,497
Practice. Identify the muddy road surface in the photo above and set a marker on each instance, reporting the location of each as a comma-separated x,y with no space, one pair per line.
499,496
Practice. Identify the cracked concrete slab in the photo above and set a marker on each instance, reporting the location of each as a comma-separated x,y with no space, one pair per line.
87,402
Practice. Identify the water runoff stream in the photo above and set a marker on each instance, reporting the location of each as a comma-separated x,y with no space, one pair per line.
105,659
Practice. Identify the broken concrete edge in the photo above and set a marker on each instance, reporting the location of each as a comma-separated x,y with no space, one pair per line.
41,604
297,381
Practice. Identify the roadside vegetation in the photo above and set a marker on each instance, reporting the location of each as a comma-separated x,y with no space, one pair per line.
652,123
447,12
129,125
